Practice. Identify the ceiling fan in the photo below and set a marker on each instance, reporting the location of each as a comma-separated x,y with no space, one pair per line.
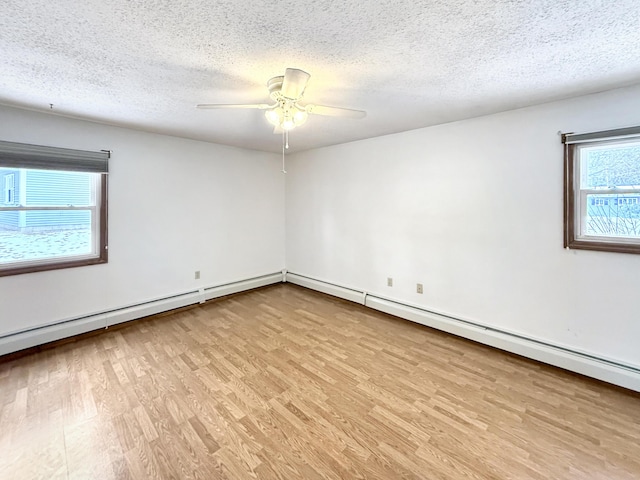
286,113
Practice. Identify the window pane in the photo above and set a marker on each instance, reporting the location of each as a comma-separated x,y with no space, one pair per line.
46,235
50,188
613,215
69,234
46,187
614,165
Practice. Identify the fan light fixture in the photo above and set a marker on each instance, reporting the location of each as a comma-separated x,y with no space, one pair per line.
286,115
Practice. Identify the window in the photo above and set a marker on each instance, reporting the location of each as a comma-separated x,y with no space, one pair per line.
602,190
53,213
9,188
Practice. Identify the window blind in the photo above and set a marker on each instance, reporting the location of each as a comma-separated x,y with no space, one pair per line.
24,155
620,133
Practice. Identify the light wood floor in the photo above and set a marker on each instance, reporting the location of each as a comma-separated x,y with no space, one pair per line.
287,383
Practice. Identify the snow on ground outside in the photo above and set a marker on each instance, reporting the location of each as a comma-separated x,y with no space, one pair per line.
15,246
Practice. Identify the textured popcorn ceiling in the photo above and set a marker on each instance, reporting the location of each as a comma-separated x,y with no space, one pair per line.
408,63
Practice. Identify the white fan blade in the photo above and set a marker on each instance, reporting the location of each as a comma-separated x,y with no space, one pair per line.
278,130
260,106
294,83
335,111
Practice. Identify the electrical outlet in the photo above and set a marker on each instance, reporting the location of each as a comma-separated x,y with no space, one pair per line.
197,275
419,288
389,282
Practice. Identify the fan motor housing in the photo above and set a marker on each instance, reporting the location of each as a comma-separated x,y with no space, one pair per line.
275,86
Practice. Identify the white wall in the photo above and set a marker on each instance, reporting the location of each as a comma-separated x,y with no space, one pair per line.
473,210
175,206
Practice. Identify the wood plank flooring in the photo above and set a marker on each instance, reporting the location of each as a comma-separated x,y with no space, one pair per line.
286,383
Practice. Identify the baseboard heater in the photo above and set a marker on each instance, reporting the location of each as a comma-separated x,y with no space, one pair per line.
608,370
70,327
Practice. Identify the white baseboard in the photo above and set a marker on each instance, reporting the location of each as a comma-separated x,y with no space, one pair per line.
76,326
237,287
153,307
617,373
328,288
38,336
